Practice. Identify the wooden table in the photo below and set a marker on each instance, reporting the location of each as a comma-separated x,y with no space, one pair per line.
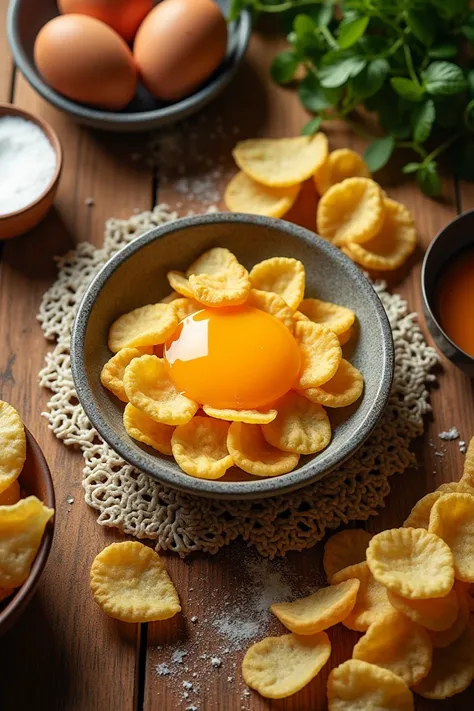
64,654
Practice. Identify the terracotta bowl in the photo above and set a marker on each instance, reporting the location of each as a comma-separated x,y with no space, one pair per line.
137,275
16,223
35,480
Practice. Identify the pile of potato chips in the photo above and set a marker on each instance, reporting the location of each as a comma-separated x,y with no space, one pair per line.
409,589
22,521
261,443
354,213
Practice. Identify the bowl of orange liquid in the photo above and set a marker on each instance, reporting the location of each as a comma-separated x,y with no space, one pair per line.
137,276
448,291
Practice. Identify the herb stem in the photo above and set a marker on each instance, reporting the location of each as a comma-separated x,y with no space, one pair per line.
328,37
289,5
434,154
410,67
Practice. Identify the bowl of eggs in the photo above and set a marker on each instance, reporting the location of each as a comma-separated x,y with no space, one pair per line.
265,368
128,65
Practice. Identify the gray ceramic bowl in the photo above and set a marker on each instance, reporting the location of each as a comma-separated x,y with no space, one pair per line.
137,275
25,18
456,236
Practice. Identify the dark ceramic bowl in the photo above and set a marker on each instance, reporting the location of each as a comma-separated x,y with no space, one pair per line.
35,480
137,275
25,18
455,237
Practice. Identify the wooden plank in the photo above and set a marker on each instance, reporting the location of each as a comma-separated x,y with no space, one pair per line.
76,657
6,64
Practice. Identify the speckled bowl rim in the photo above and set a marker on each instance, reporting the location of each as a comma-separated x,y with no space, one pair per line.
219,489
131,120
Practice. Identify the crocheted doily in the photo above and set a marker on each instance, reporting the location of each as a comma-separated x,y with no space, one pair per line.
138,505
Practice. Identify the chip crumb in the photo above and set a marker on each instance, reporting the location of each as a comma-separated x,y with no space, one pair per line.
162,670
216,662
449,435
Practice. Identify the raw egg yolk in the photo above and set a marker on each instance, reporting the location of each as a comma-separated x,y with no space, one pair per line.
237,357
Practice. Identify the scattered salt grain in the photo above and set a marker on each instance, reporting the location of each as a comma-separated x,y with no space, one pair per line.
185,695
162,670
177,656
192,708
194,619
216,662
187,685
449,435
89,202
230,678
70,500
462,446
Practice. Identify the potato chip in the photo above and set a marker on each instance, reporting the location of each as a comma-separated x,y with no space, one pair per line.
180,284
5,593
392,245
319,611
200,448
372,602
346,336
185,307
411,562
455,487
281,162
283,275
344,388
12,445
300,426
341,164
227,289
450,635
452,519
251,452
437,613
351,211
359,686
170,298
246,195
217,260
142,428
338,318
345,548
321,354
277,667
272,304
419,516
145,326
129,582
399,645
452,668
150,389
10,496
21,531
252,417
113,371
468,471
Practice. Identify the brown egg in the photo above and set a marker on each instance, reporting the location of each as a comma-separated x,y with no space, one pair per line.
178,45
87,61
124,16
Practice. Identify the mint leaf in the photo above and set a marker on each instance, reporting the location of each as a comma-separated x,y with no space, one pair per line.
421,23
337,74
311,127
378,153
350,32
468,33
323,14
303,24
411,168
283,67
447,50
423,120
371,79
407,88
444,79
313,97
428,180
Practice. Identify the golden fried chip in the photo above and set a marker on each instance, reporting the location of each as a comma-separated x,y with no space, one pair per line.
393,243
150,389
341,164
468,471
113,371
129,582
21,530
450,635
142,428
351,211
452,519
437,613
411,562
251,452
243,194
281,162
227,289
200,448
5,593
338,318
180,284
283,275
185,307
271,303
145,326
319,611
217,260
300,426
170,298
344,388
372,602
277,667
399,645
321,354
452,668
12,445
10,496
455,487
359,686
251,417
419,516
345,548
346,336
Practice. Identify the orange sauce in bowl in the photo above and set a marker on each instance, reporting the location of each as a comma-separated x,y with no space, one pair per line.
455,300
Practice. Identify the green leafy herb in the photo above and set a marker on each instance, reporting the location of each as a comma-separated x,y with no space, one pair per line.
378,153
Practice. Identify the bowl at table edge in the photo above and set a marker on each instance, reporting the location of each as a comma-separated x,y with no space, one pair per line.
449,242
17,222
25,18
136,275
35,480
